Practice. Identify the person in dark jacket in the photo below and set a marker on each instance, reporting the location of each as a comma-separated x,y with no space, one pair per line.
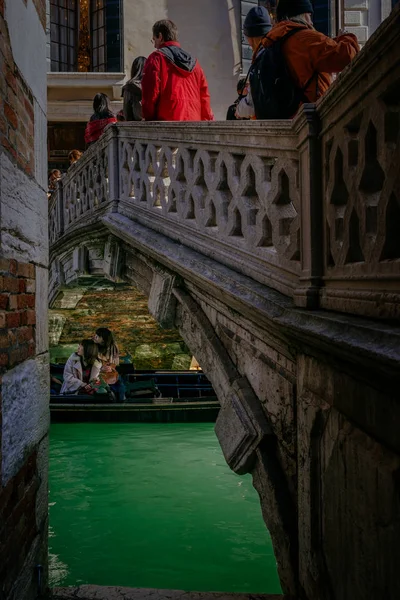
174,87
99,120
255,27
311,57
132,91
242,91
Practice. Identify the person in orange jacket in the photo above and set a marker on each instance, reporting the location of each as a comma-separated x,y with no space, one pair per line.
311,56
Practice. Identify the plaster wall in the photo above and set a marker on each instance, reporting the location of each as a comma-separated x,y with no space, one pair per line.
30,56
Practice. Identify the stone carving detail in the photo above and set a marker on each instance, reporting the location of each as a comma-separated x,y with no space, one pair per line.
249,201
362,183
85,187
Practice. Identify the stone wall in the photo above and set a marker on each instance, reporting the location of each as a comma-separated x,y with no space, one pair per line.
363,17
24,383
124,310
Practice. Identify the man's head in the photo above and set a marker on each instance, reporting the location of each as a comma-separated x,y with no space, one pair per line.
295,8
256,25
164,31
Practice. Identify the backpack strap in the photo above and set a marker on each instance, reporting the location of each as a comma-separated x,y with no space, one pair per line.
315,74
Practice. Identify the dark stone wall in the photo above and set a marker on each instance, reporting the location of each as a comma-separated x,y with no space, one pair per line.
125,312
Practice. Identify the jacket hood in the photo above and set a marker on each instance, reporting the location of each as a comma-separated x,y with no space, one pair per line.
181,59
280,30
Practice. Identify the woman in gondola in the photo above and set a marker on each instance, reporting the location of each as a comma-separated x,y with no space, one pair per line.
82,369
109,356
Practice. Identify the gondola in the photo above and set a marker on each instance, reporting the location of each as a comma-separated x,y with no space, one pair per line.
152,396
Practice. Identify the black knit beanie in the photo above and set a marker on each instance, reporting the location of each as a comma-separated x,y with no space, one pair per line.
257,22
292,8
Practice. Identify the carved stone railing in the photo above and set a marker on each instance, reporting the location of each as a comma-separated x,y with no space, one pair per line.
230,192
308,207
360,143
84,192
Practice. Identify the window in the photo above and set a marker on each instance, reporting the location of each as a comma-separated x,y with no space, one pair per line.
86,35
63,30
98,34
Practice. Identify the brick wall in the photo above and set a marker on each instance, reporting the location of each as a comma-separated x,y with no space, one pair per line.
16,106
17,312
24,382
18,527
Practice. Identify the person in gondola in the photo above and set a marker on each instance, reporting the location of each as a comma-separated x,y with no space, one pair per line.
99,120
82,369
109,356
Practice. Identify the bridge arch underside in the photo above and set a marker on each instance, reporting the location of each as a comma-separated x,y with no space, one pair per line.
309,401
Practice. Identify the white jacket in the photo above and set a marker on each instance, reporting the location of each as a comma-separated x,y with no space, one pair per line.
73,376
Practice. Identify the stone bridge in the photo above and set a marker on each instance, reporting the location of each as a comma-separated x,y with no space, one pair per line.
274,249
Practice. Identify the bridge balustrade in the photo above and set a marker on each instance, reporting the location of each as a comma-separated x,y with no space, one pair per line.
308,207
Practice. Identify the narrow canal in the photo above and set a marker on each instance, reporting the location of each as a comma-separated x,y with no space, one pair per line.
148,505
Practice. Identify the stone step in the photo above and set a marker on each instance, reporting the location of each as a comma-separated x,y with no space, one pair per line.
97,592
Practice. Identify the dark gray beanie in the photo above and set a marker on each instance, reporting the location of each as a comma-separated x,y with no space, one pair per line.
257,22
292,8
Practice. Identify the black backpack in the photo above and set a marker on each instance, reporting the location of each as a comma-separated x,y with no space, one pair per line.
275,94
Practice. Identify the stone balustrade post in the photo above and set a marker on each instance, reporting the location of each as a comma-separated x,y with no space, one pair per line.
60,208
113,168
307,293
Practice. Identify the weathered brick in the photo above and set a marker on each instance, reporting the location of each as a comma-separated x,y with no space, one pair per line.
30,286
2,319
12,137
30,317
3,301
9,284
11,79
24,334
26,270
12,337
3,359
3,125
26,301
18,355
7,146
13,302
13,266
13,319
10,115
29,109
21,285
4,339
4,265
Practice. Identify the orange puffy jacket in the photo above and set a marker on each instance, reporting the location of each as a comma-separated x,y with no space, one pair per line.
309,51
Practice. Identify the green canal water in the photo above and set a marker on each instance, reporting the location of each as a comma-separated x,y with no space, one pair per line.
149,505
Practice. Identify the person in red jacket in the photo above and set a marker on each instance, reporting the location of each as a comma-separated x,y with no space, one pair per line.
174,87
99,120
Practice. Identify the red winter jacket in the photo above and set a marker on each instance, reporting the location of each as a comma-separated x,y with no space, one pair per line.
94,129
174,87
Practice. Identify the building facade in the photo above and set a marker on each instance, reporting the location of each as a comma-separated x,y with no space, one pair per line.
91,45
